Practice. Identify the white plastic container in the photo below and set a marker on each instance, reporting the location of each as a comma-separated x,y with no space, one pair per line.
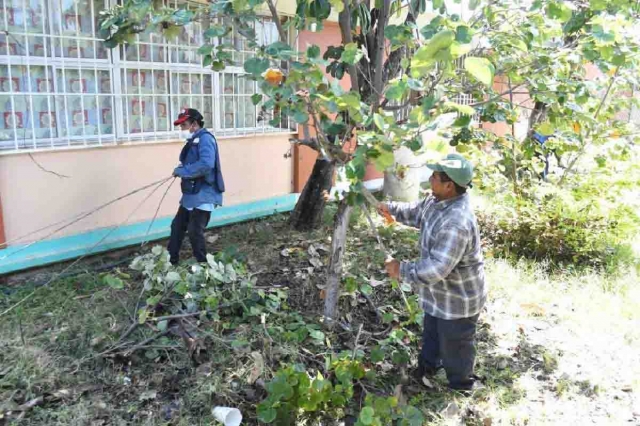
227,416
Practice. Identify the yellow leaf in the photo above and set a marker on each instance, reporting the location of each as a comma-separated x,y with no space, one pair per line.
273,76
612,71
576,127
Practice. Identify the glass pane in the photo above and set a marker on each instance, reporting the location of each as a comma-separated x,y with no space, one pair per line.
45,116
24,16
76,22
106,115
145,52
142,81
162,113
207,112
139,117
85,81
249,113
227,113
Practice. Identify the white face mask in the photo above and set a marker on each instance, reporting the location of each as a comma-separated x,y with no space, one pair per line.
186,134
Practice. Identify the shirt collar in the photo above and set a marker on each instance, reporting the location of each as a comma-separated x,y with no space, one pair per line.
441,205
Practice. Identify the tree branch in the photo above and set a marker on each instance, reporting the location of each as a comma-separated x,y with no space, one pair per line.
595,116
344,20
379,56
276,19
311,142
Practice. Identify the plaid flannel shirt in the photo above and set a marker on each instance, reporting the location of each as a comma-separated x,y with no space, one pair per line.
450,272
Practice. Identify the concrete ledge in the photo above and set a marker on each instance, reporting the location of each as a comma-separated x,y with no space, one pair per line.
70,247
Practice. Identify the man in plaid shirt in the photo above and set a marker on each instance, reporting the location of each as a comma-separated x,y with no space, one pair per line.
449,273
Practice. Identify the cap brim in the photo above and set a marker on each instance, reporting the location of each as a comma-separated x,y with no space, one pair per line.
435,167
179,121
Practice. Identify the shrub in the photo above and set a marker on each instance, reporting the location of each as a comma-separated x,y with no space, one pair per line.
563,228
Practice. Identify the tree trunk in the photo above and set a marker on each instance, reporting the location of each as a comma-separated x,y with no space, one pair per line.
334,270
310,206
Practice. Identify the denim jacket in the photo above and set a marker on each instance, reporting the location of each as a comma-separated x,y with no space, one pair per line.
200,158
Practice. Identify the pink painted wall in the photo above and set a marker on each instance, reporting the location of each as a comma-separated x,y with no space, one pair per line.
304,157
254,168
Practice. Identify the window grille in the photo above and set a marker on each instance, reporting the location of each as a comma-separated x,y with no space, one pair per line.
60,87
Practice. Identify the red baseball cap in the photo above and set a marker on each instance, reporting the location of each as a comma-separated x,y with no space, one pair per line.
187,113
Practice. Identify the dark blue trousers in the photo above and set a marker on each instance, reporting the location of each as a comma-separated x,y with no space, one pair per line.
449,344
192,222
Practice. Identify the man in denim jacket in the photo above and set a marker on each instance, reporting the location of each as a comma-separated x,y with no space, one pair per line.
449,274
201,183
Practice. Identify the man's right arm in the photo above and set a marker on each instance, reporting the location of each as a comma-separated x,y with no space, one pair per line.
406,213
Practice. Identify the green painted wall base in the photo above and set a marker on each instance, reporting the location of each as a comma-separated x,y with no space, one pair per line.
65,248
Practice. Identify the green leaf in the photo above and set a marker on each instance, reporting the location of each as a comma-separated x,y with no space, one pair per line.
462,109
379,121
205,49
598,4
172,277
338,5
218,65
412,416
142,316
559,11
301,117
383,162
397,90
520,45
458,50
171,32
351,54
398,34
545,129
426,56
316,334
319,9
366,289
240,5
377,354
367,413
256,98
416,85
114,282
418,6
266,413
481,69
279,49
256,66
207,60
463,35
216,31
162,325
313,52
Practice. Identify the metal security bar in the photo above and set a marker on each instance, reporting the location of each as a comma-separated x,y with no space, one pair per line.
60,87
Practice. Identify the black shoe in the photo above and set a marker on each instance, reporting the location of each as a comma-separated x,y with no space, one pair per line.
425,371
467,390
423,375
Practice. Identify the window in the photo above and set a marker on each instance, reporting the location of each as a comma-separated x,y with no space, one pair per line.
60,87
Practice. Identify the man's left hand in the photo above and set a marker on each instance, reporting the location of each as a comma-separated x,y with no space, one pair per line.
393,268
